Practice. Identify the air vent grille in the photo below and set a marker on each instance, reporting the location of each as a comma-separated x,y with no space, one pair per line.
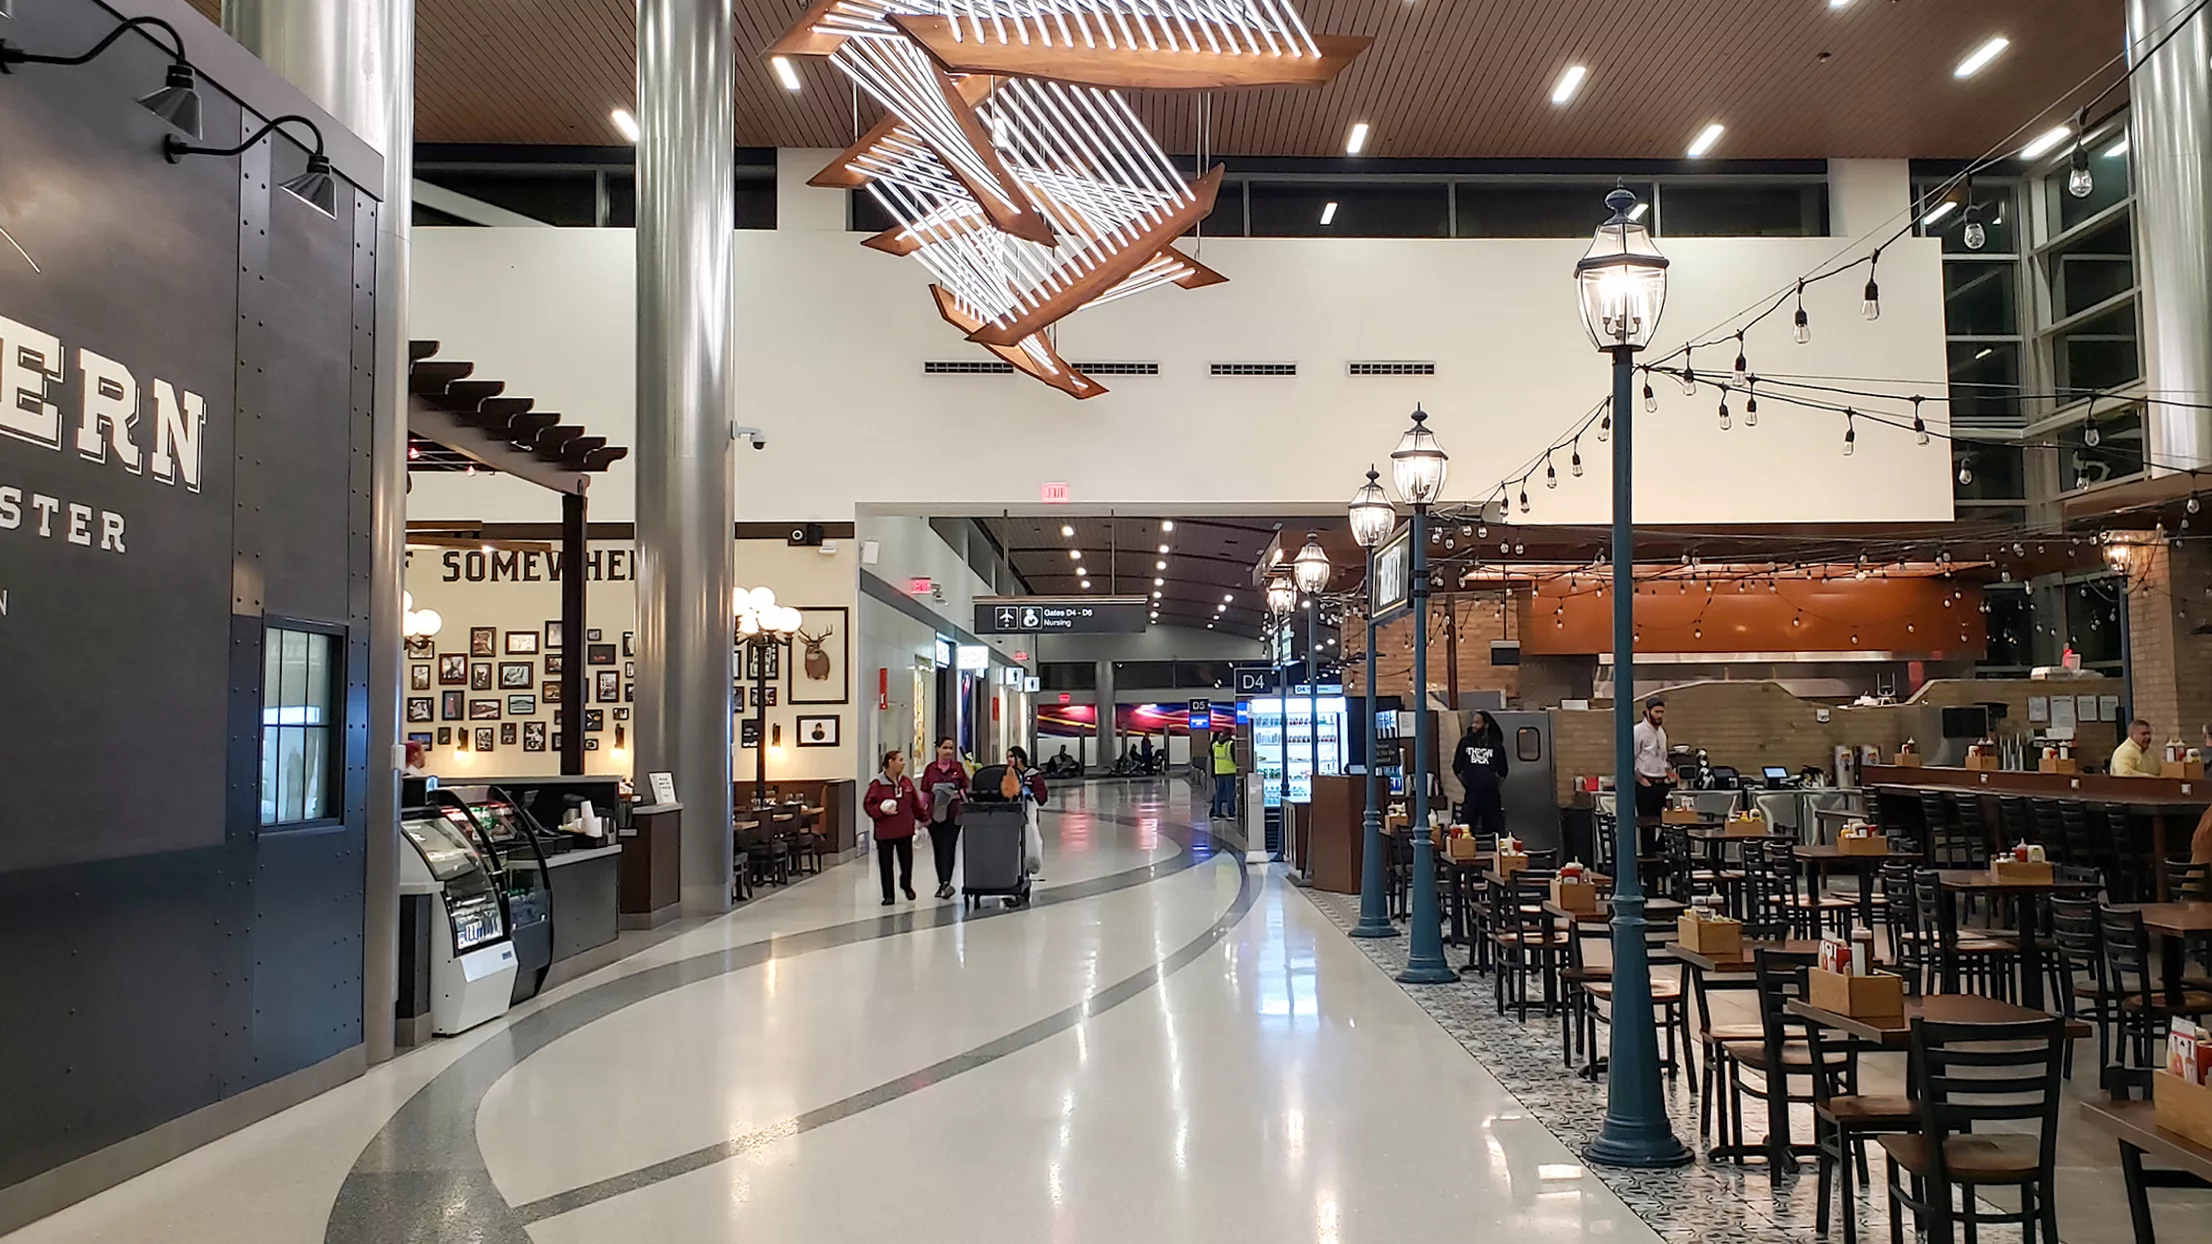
967,367
1118,369
1383,367
1255,369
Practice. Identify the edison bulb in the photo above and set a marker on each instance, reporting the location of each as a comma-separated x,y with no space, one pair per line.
2079,182
1975,236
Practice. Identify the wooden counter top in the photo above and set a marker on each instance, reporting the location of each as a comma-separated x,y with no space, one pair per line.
2091,787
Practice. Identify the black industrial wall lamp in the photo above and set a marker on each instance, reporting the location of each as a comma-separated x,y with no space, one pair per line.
316,187
177,102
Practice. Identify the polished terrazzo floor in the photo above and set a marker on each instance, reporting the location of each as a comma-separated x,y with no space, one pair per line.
1169,1045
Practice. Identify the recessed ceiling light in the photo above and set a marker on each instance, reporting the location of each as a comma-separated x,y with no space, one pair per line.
1155,593
1221,608
1066,530
625,121
1167,524
1328,211
1163,548
1356,142
1227,597
1086,583
1209,626
2046,140
785,72
1569,82
2116,150
1075,555
1160,565
1839,4
1159,583
1706,138
1979,58
1940,211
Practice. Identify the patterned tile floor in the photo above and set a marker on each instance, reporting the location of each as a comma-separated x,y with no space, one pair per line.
1706,1202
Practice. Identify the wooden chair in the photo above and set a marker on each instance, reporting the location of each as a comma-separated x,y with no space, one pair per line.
1525,942
1712,1045
1586,995
2142,1008
1844,1119
1965,1075
1781,1056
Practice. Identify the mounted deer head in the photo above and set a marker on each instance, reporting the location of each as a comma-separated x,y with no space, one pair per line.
817,661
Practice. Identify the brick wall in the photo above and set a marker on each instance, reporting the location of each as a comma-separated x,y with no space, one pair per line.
2171,664
1480,618
1754,724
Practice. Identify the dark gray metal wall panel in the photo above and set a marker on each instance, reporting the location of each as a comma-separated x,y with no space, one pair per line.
307,949
159,951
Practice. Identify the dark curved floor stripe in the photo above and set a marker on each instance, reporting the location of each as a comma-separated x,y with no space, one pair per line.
423,1180
913,1082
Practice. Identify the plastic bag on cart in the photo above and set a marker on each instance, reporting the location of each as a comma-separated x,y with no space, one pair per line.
1033,842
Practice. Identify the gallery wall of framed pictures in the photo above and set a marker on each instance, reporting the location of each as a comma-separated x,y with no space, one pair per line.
498,662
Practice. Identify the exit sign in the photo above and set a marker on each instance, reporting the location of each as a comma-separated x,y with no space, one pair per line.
1056,494
920,587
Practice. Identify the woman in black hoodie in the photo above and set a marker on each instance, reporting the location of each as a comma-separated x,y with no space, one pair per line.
1479,764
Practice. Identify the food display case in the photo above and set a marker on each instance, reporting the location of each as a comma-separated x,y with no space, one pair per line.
471,957
516,847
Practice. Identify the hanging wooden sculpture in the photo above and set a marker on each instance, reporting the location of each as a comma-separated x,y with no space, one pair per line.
1019,175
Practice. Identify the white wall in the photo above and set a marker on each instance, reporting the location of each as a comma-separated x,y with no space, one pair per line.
1159,643
831,338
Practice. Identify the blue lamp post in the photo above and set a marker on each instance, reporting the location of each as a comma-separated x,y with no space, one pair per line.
1373,519
1282,597
1417,468
1310,569
1622,284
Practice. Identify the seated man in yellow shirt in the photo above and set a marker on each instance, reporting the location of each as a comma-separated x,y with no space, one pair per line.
2135,756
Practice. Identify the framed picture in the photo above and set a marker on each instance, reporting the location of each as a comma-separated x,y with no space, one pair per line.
622,714
555,662
629,669
595,720
818,731
608,685
480,675
591,635
599,654
737,697
483,641
748,732
450,707
553,635
483,710
421,708
421,647
522,643
533,736
629,692
767,697
517,674
418,678
550,692
422,738
522,705
629,643
556,742
507,734
820,670
453,669
591,745
445,736
763,661
485,740
557,715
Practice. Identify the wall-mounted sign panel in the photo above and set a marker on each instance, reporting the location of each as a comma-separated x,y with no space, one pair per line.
1393,588
1061,615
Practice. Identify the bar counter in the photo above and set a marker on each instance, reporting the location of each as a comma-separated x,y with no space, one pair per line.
2168,807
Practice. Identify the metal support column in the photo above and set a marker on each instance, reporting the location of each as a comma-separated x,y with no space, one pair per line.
575,675
1374,904
686,223
2170,153
356,59
1637,1131
1425,966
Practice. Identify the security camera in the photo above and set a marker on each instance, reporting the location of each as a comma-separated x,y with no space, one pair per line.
751,436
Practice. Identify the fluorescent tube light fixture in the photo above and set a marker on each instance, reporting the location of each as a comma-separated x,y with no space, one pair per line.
626,122
1356,142
786,72
2046,141
1569,82
1978,59
1706,138
1328,211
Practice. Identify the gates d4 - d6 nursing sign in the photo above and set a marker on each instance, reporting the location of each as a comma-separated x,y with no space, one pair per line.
1060,615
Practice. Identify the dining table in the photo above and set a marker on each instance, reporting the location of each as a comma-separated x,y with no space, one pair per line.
1894,1032
1984,883
2175,924
1818,860
2181,1162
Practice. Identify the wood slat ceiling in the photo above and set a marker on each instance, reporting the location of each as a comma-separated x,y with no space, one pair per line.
1207,559
1445,78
